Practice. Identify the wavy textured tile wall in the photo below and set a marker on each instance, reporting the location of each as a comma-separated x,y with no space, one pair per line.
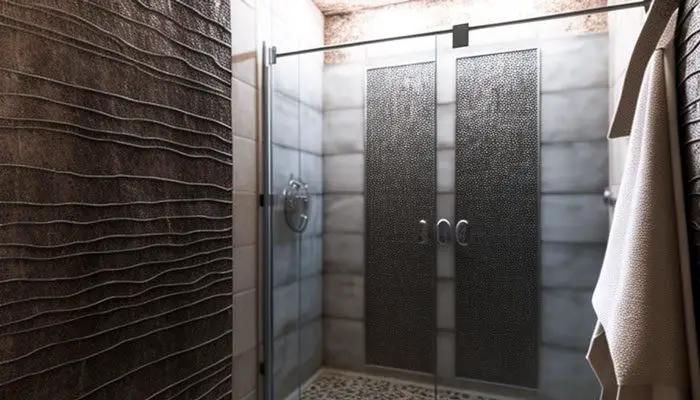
688,73
115,200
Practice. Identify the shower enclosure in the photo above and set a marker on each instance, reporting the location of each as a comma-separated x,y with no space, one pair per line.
435,221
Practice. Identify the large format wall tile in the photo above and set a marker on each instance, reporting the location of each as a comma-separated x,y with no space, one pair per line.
446,304
310,299
344,213
245,273
446,171
311,129
245,319
243,42
446,126
315,225
446,253
446,354
286,366
285,165
343,131
566,374
446,77
571,265
285,302
574,167
568,318
244,176
343,248
245,222
574,218
312,172
575,115
286,69
310,349
343,343
344,173
244,100
311,77
245,367
563,68
343,86
285,263
285,120
345,296
330,267
311,261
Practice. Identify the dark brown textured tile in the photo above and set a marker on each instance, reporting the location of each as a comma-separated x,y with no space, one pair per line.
116,229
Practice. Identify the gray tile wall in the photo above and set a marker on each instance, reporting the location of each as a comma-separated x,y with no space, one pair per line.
574,115
573,216
297,124
343,212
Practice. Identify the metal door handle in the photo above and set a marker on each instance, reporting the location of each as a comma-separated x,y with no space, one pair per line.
422,232
462,232
442,235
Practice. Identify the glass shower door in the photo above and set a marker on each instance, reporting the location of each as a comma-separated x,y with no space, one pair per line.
376,303
488,182
521,165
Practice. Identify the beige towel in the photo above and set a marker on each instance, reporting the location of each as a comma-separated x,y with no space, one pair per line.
644,345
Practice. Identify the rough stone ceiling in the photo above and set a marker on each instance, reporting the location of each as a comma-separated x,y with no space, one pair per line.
329,7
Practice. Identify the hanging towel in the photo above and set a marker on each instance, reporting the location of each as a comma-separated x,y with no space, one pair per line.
644,345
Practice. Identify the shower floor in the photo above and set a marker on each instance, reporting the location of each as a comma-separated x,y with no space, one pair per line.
339,385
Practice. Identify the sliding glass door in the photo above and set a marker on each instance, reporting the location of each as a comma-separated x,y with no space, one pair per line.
439,254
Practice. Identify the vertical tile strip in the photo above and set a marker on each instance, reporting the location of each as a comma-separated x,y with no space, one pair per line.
497,192
400,190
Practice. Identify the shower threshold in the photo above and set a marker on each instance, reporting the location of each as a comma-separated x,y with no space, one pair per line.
334,384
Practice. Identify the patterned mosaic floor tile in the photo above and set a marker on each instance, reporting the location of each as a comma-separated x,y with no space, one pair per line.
339,386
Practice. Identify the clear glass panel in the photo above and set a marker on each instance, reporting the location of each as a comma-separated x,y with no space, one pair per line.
358,128
527,168
310,119
288,191
389,135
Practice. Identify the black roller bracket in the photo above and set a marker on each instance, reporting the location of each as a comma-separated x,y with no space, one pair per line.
460,36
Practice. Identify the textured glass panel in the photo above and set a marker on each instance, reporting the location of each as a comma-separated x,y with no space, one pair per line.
400,191
497,192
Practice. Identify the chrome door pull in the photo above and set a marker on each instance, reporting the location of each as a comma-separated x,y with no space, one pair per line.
443,232
422,232
462,232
